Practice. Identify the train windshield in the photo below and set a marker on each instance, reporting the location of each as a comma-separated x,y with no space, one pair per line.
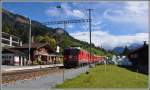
71,51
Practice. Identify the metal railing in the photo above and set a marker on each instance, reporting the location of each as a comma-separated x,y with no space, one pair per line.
10,40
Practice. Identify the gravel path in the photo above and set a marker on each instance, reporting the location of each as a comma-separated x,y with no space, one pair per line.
45,82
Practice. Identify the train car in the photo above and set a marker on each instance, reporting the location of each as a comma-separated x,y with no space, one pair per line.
100,59
74,57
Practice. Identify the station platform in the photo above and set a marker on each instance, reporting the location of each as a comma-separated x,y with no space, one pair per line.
6,68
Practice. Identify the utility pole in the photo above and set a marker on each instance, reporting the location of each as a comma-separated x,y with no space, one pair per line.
90,20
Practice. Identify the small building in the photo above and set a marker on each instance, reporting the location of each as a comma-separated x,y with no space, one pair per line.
124,61
13,57
139,58
40,53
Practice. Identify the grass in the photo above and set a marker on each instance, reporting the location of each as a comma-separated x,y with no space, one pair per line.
114,77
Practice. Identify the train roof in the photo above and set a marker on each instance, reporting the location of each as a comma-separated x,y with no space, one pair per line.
77,48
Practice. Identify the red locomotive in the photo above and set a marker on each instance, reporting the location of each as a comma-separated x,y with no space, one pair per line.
74,57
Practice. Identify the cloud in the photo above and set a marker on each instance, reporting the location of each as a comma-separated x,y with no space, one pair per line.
72,12
52,12
137,7
108,41
65,11
78,13
133,12
70,26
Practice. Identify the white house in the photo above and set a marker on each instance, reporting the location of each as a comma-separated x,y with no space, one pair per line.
124,61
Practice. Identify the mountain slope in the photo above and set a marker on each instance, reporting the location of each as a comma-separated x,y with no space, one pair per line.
133,46
118,50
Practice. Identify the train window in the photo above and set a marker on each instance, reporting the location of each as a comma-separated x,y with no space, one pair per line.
9,56
66,52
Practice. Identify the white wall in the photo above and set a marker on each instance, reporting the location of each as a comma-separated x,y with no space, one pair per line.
13,59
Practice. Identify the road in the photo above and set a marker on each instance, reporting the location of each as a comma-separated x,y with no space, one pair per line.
45,82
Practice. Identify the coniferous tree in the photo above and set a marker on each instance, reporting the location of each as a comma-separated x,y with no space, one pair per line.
126,51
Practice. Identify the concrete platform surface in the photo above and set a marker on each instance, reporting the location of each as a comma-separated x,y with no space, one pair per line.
6,68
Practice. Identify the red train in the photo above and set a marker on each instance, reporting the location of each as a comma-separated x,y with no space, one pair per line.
74,57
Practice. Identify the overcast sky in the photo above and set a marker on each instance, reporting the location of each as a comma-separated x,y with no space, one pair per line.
113,23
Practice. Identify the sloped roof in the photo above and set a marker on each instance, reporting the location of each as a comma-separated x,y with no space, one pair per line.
139,49
34,45
12,51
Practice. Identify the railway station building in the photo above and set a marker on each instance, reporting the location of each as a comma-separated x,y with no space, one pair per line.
40,53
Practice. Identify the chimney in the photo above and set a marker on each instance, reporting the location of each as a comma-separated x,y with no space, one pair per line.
20,43
144,43
57,49
32,39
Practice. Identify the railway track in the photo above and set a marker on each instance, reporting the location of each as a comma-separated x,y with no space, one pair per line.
13,76
55,76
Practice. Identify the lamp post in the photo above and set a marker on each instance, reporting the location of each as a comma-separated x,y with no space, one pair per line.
29,61
59,7
30,41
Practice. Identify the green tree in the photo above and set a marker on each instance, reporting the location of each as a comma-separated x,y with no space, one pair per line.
39,38
126,51
6,29
46,39
52,42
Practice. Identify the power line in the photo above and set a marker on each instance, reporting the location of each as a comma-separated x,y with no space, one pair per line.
66,21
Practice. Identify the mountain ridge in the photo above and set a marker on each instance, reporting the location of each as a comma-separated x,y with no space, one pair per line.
131,47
